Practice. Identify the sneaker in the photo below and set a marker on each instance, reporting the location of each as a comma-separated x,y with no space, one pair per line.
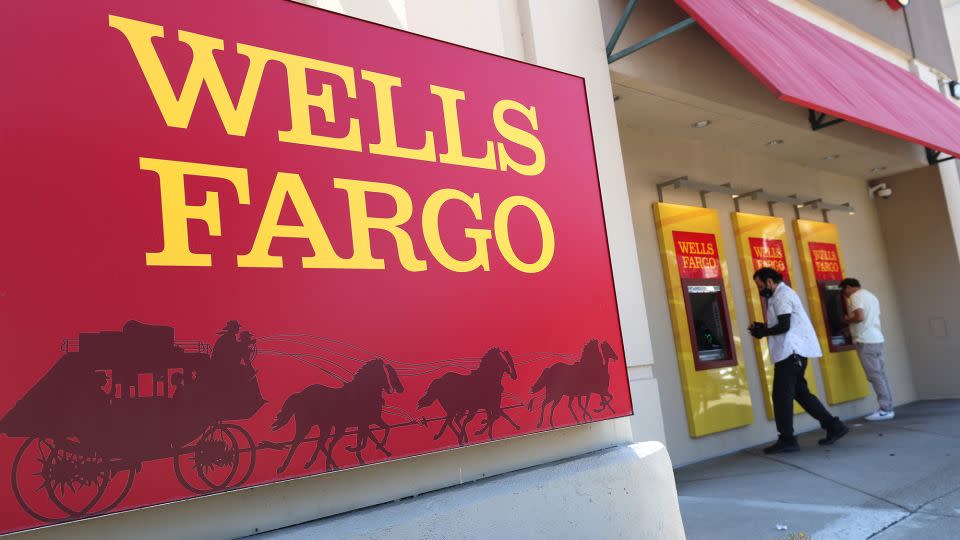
834,434
782,446
880,416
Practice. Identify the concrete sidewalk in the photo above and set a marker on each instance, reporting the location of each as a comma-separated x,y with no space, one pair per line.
889,480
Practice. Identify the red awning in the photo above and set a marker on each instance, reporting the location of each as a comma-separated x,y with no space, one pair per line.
804,64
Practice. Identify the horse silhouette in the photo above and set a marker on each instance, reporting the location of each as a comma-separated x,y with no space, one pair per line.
598,381
357,404
587,376
463,396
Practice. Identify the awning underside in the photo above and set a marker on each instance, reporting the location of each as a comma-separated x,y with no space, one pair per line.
804,64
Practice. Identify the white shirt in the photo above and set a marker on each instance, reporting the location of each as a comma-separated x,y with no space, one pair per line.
867,331
801,339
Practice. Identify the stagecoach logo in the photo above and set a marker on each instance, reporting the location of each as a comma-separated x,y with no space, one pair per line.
414,252
82,461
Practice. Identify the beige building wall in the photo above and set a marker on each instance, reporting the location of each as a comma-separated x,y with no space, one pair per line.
651,158
916,224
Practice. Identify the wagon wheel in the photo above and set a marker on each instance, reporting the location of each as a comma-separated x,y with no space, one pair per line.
214,458
73,482
247,450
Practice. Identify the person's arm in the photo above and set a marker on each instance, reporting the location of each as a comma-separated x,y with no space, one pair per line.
782,327
856,317
855,312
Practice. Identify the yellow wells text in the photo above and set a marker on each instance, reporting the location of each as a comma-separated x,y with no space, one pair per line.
697,248
825,260
697,255
235,113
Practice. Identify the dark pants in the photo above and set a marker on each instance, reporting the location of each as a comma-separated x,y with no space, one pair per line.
789,385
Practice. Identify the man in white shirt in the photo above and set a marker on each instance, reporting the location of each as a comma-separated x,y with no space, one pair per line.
863,315
792,340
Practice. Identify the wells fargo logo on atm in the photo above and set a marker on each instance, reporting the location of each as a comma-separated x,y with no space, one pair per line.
826,261
697,255
769,253
280,244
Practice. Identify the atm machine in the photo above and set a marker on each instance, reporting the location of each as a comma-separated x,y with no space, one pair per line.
834,308
705,301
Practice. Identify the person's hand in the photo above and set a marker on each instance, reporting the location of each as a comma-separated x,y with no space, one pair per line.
758,330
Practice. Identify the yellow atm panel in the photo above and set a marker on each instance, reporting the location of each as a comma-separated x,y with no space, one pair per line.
762,241
705,329
818,244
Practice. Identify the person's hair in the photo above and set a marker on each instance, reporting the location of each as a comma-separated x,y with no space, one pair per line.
766,273
850,282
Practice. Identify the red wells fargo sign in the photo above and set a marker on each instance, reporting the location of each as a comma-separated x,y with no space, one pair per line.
826,261
769,253
285,242
697,255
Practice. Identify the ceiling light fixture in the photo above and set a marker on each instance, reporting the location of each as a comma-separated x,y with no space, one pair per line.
774,142
700,124
878,169
831,157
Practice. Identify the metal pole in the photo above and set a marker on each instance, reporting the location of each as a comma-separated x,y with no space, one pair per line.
620,26
675,183
652,39
752,194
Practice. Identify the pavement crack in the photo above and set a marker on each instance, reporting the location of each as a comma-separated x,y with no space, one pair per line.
892,524
909,512
937,498
915,430
724,477
837,482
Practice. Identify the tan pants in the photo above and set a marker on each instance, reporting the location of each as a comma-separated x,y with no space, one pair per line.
871,358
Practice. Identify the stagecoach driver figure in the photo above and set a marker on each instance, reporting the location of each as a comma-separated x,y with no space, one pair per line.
226,351
792,340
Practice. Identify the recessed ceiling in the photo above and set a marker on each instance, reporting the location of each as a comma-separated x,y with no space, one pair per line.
845,149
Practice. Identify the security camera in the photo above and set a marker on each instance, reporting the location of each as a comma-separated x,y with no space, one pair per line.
881,190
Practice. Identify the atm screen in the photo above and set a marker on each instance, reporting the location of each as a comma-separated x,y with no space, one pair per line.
709,322
834,308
